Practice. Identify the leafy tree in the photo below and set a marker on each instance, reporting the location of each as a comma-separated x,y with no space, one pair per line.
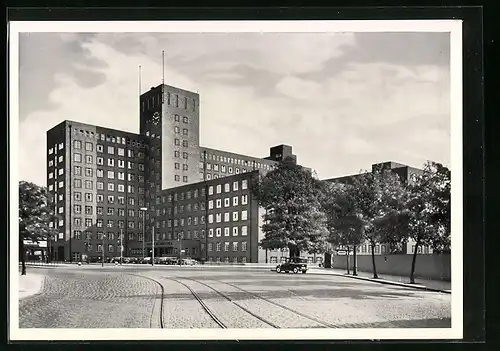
427,214
344,225
35,212
293,218
377,195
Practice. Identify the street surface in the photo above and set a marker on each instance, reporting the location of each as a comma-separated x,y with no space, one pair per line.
204,297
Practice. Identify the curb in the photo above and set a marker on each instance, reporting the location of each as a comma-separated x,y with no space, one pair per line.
382,281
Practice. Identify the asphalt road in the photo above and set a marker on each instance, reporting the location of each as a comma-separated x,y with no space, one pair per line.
203,297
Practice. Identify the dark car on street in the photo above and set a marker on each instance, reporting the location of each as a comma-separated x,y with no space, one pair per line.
293,264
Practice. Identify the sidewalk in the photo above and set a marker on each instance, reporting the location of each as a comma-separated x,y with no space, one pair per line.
30,284
425,284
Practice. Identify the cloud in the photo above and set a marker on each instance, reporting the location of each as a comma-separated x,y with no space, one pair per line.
343,101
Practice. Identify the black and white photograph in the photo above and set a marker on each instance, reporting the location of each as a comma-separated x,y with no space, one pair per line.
236,180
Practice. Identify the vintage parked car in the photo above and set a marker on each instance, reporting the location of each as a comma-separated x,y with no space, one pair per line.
293,264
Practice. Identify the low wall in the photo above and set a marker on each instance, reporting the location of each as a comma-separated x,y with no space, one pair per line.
435,266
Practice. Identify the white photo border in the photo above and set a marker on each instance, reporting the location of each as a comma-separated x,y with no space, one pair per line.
454,27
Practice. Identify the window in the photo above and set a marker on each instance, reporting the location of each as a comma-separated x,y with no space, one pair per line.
88,210
184,143
226,246
77,209
227,202
184,131
235,186
121,176
219,189
60,159
99,148
77,157
51,151
51,175
78,196
78,183
111,187
218,203
111,199
100,185
88,172
89,146
244,199
235,246
111,150
227,187
121,188
235,231
88,159
218,217
131,189
217,232
177,154
185,155
111,162
177,142
88,197
210,246
244,215
244,246
226,231
235,201
77,144
235,216
244,184
177,118
226,217
51,163
100,198
121,152
210,218
184,119
88,184
111,175
177,129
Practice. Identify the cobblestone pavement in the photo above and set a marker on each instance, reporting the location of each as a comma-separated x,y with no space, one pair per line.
90,300
111,297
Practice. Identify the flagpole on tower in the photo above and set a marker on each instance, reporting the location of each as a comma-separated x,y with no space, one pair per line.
162,74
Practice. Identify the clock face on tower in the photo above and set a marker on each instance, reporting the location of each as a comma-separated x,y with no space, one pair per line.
156,118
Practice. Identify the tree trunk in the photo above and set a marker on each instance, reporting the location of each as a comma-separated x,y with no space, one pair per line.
375,275
347,260
412,273
23,257
355,259
293,251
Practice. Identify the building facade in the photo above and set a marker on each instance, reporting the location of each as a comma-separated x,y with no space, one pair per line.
112,188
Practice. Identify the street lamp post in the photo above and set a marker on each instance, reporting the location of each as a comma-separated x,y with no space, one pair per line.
153,247
143,209
121,246
103,249
179,239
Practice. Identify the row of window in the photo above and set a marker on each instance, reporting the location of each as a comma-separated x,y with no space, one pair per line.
79,235
112,139
56,147
227,231
226,259
177,118
58,184
227,202
110,211
77,196
89,172
177,142
177,178
99,223
89,184
236,161
227,216
156,100
227,187
56,160
242,246
89,159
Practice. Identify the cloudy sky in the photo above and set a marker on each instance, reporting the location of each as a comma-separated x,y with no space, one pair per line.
343,100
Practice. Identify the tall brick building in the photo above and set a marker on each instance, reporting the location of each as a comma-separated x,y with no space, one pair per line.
112,187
